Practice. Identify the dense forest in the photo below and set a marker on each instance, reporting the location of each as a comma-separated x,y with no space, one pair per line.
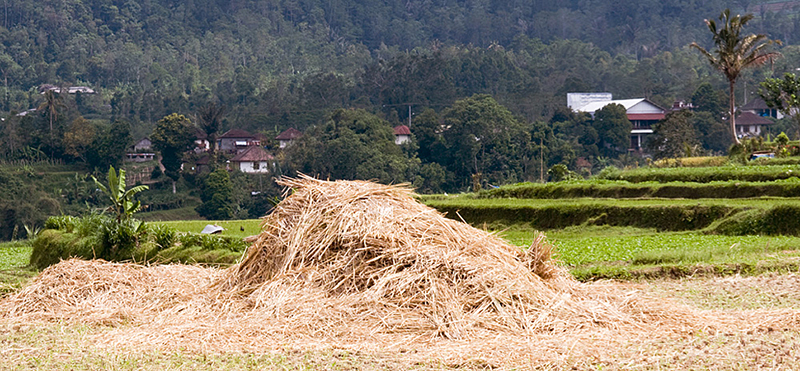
484,81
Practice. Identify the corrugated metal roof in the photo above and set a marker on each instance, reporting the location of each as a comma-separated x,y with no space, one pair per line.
594,106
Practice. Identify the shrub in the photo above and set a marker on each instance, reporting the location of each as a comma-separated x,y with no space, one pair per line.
165,236
212,242
118,240
64,223
51,246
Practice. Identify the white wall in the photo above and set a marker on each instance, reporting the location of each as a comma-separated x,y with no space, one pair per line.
247,167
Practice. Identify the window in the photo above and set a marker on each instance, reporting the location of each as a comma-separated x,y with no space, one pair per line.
256,165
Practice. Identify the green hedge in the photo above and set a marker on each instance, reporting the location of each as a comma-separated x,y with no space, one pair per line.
623,189
754,173
778,220
751,217
97,236
665,218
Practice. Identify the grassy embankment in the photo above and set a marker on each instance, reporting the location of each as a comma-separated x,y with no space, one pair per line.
652,222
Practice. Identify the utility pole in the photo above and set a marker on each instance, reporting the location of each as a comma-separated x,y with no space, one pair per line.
541,160
409,116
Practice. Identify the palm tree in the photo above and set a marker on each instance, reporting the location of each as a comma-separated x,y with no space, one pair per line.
734,52
52,103
210,120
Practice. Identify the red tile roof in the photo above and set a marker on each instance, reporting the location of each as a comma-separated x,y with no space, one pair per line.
289,134
252,153
646,116
402,130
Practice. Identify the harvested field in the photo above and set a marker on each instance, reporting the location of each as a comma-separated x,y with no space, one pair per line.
363,268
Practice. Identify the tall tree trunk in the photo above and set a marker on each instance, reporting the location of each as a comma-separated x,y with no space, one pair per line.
732,113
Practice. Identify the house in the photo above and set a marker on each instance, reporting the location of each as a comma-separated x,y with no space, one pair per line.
749,124
641,112
253,160
237,140
287,137
402,134
760,108
143,145
70,90
201,143
140,151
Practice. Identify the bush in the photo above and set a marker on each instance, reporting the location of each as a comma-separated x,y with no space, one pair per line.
779,220
622,189
118,240
165,236
212,242
754,173
664,218
65,223
51,246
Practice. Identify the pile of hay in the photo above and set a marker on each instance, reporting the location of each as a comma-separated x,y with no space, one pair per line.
349,263
373,253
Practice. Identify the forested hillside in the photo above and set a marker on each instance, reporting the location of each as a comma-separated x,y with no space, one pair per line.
277,62
485,81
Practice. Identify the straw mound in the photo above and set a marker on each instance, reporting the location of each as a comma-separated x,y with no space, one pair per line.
105,293
356,265
372,251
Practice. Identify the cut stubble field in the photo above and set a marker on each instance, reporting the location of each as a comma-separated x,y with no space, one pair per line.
743,319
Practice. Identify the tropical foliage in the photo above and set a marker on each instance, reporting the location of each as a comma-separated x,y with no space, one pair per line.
735,52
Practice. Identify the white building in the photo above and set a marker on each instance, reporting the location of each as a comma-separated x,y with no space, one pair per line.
253,160
402,134
641,112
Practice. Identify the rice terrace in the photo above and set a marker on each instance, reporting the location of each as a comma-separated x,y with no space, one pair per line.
357,275
399,185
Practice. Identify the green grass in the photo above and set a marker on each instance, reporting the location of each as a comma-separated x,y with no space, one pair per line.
469,200
752,173
619,189
233,228
183,213
608,252
14,271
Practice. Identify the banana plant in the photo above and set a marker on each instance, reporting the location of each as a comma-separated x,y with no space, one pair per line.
123,204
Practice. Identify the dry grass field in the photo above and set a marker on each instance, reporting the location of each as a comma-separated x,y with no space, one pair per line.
353,275
75,346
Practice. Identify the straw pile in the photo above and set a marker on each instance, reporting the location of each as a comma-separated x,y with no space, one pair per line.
350,264
372,252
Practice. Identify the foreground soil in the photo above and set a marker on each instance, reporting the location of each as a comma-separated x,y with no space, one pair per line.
76,346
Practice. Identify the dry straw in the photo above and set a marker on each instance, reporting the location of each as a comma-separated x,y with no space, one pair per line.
352,264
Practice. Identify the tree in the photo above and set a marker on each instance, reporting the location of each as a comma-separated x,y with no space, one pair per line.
783,94
674,136
109,146
735,53
217,196
706,99
351,144
613,129
210,120
172,136
123,204
712,132
485,140
52,104
79,138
